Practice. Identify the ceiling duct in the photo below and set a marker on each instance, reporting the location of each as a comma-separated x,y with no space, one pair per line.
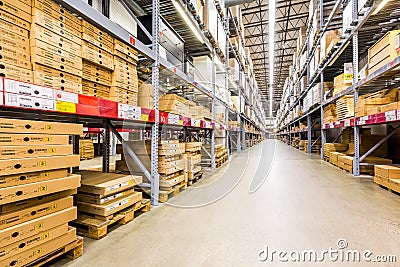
231,3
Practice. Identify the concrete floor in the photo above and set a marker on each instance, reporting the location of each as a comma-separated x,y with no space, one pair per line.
304,204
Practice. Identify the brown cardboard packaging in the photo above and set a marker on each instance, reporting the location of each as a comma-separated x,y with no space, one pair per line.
33,139
8,26
18,9
99,41
16,166
30,202
32,151
16,61
48,5
35,240
125,49
15,20
387,171
32,177
97,56
50,77
16,73
27,126
17,217
106,184
20,192
63,27
35,253
56,64
98,199
18,48
110,207
21,231
96,32
62,19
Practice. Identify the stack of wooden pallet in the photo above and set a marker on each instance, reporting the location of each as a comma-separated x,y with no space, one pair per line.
346,163
388,176
221,155
330,114
334,147
36,191
86,148
295,142
170,164
192,159
345,107
105,199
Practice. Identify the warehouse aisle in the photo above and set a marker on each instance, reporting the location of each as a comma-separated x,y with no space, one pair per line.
304,204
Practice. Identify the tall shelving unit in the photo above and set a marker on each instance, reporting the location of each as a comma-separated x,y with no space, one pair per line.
114,117
368,24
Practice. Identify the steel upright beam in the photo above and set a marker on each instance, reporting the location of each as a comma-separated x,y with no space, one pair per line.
214,73
228,146
356,159
239,142
309,132
106,147
155,182
322,92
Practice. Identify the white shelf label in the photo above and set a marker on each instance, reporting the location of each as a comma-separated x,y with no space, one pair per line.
173,119
391,115
331,125
30,102
346,123
66,97
129,112
208,124
27,89
195,123
363,120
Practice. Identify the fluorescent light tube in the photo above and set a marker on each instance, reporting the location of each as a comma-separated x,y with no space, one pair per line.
188,21
380,6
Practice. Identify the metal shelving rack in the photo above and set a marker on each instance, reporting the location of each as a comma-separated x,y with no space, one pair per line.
102,113
385,77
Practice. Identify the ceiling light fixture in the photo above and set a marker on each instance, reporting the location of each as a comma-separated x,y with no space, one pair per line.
187,20
271,50
381,5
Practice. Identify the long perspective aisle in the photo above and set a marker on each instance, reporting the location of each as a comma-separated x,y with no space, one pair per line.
304,204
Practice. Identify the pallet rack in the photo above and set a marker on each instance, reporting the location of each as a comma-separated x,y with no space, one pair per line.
114,117
366,27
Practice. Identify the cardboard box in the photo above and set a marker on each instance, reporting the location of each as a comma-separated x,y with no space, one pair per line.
41,127
20,192
32,151
86,85
13,72
8,26
17,47
61,18
110,207
46,35
30,202
167,183
9,56
99,42
21,231
32,241
17,217
35,253
106,184
33,139
389,107
387,171
30,102
61,80
17,8
32,177
98,199
16,166
384,51
125,49
49,51
97,56
96,32
14,20
96,73
145,102
46,5
55,62
70,30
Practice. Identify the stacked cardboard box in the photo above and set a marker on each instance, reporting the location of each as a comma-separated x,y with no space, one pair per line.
346,163
388,176
330,113
170,164
333,157
104,194
334,147
124,79
56,47
192,159
146,96
345,107
15,24
36,189
98,61
384,51
341,83
174,104
372,103
86,148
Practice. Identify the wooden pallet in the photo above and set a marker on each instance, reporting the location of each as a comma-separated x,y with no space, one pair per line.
94,227
166,193
196,177
71,251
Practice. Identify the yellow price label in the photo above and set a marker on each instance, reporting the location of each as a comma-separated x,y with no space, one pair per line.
348,76
52,150
46,235
42,163
39,226
144,117
38,251
43,188
49,127
48,139
180,122
65,107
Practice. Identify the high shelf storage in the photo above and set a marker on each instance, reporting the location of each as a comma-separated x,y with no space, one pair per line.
241,123
347,53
